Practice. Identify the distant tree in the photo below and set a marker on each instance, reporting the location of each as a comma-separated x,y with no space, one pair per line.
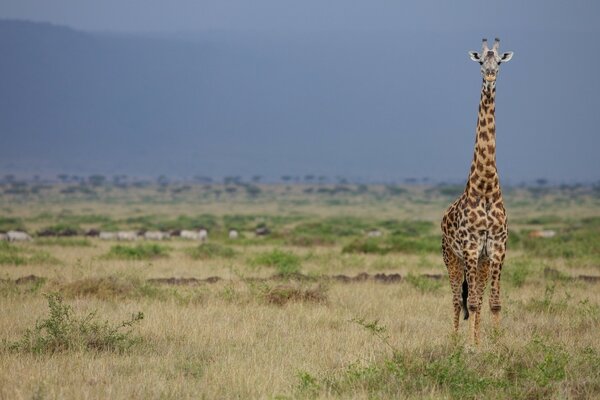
64,178
252,190
286,178
309,178
96,180
203,179
256,178
541,181
162,180
232,180
9,178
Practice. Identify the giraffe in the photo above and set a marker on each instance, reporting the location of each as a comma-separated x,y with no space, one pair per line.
474,228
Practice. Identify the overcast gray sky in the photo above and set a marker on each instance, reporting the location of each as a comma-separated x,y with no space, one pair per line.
186,15
364,88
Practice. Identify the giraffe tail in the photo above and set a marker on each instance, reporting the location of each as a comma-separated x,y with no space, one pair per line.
465,295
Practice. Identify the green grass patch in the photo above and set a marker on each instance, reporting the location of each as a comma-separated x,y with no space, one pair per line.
285,262
423,283
210,250
394,244
63,242
144,251
17,255
11,224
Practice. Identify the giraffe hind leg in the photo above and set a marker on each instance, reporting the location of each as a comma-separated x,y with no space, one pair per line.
465,295
456,275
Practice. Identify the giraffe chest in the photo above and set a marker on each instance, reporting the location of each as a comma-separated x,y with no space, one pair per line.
477,230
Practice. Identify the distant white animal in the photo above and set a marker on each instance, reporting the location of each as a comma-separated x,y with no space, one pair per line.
374,233
156,235
18,236
107,235
546,234
127,235
203,235
191,235
233,234
3,237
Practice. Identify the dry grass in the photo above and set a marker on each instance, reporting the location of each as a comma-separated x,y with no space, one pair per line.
241,337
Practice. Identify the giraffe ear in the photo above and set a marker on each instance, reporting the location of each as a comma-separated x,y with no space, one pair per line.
506,57
475,56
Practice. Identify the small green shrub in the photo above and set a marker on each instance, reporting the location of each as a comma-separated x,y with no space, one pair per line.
145,251
423,283
286,263
211,250
64,331
308,385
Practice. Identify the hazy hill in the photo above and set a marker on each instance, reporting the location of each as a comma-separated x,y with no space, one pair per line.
376,105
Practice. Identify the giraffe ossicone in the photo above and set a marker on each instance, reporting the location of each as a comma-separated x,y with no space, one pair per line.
474,227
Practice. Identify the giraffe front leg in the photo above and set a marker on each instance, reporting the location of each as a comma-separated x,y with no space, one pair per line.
456,276
473,298
495,306
483,272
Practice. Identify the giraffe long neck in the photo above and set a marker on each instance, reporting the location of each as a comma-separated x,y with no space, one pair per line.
483,179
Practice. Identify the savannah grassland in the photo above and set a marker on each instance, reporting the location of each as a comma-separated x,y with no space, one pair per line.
278,324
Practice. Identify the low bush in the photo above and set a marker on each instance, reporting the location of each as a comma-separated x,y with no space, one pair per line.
65,331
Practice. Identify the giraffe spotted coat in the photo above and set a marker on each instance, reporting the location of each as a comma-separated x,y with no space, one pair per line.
474,228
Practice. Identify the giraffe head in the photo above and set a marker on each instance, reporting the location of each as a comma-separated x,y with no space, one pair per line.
490,60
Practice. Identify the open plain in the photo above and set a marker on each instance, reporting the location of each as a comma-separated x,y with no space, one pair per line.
342,295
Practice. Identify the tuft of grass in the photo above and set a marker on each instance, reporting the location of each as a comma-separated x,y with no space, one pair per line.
308,385
211,250
63,242
11,255
548,304
517,273
145,251
65,331
283,294
366,246
286,263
